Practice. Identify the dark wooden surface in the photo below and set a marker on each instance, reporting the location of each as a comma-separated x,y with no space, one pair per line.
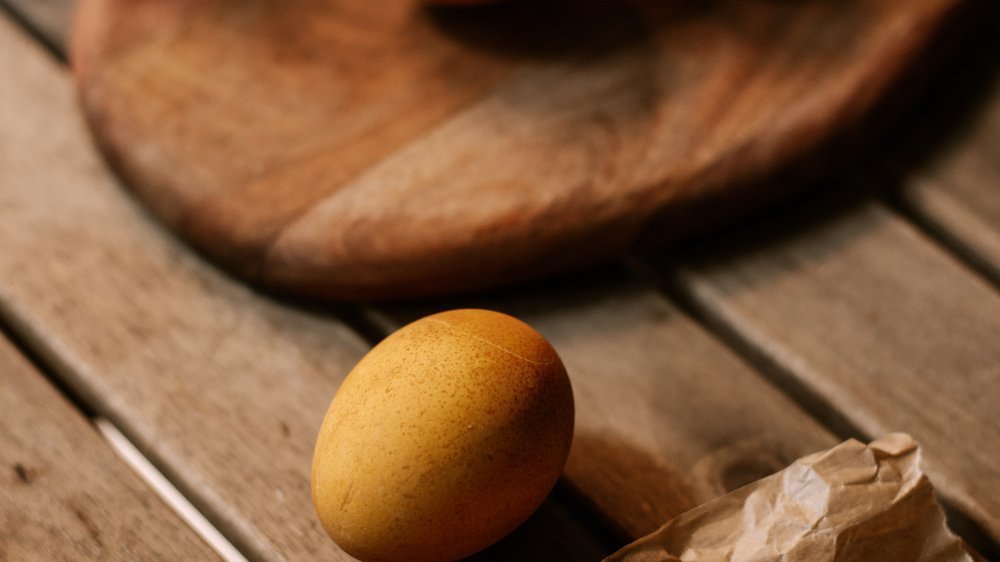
835,315
374,149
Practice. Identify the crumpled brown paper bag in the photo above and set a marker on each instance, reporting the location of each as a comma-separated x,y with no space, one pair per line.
850,503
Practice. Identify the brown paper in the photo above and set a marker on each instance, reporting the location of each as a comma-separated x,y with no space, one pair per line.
850,503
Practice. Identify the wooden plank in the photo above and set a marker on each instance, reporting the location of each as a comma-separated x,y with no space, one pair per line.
617,452
64,495
949,170
628,477
49,18
602,481
223,388
641,464
866,315
667,417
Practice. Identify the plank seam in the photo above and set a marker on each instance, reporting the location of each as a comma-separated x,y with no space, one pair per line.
115,438
769,369
167,492
887,186
79,390
964,253
37,34
21,341
783,379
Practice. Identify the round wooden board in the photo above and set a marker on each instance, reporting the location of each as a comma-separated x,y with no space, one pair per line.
378,149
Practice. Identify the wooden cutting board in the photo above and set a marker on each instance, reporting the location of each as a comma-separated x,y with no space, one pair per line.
377,149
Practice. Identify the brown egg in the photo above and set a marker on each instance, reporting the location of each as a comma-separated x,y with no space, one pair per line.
443,439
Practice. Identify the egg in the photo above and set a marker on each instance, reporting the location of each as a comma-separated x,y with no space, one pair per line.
443,439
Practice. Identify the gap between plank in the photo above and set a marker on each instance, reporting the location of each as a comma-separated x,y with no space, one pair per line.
784,381
955,245
124,448
60,369
27,24
771,370
888,189
167,492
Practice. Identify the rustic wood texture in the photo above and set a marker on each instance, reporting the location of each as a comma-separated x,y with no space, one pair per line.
863,313
639,468
667,418
376,149
224,389
63,494
703,452
949,170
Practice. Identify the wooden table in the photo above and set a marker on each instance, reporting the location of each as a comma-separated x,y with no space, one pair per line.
869,305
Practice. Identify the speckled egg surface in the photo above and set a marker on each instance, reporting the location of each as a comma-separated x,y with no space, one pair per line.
443,439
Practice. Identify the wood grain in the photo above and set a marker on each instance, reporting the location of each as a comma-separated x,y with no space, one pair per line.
650,451
949,167
621,459
366,148
667,417
723,466
63,493
860,311
223,388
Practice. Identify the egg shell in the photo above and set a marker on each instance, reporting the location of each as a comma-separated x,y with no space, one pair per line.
443,439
